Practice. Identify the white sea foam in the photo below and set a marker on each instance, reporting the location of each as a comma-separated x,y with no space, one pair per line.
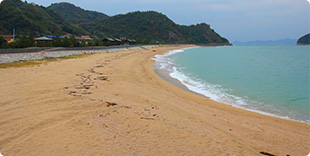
164,61
219,94
213,91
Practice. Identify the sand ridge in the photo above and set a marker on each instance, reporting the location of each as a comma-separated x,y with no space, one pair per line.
114,104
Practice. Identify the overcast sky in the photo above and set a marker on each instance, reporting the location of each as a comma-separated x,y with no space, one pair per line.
237,20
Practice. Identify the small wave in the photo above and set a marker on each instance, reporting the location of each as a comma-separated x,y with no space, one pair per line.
213,91
164,61
219,94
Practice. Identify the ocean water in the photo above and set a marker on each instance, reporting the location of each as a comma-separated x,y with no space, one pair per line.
272,80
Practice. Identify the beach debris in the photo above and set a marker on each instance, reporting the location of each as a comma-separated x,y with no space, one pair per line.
110,103
266,153
87,86
81,74
126,107
72,92
147,118
99,66
103,78
78,87
92,71
155,107
85,92
104,125
66,87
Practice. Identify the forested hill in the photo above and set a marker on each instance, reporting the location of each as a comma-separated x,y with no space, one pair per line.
145,27
76,14
305,40
152,27
30,18
61,18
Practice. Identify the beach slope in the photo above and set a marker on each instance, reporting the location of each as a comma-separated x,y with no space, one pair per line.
114,104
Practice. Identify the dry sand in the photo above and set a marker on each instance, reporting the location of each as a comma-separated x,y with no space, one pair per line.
114,104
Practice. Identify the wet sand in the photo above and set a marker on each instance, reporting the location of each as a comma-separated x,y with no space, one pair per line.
115,104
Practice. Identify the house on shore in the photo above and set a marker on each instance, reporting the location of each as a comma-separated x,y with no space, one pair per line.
86,38
50,36
43,41
116,41
108,41
10,38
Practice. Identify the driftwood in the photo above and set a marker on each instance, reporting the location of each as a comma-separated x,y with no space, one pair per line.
71,92
110,103
87,86
147,118
266,153
125,107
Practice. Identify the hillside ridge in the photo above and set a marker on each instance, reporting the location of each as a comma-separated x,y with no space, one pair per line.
148,27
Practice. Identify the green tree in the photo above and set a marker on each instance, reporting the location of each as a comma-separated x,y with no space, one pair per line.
23,42
73,42
66,42
57,42
3,42
83,43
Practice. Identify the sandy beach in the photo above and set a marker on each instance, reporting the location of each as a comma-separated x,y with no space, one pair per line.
115,104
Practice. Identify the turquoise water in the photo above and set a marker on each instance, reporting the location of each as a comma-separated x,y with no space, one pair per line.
272,80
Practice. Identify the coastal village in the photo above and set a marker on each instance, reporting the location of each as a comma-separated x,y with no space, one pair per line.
84,40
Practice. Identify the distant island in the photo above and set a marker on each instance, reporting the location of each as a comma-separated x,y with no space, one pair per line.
148,27
305,40
286,41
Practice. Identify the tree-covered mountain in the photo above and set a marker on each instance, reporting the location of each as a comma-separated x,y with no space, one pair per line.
305,40
76,14
31,18
152,27
145,27
61,18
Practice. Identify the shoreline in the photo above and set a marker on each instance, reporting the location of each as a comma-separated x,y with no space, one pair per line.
115,104
165,75
59,52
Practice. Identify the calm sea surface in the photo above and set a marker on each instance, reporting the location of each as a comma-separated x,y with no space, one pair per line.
272,80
